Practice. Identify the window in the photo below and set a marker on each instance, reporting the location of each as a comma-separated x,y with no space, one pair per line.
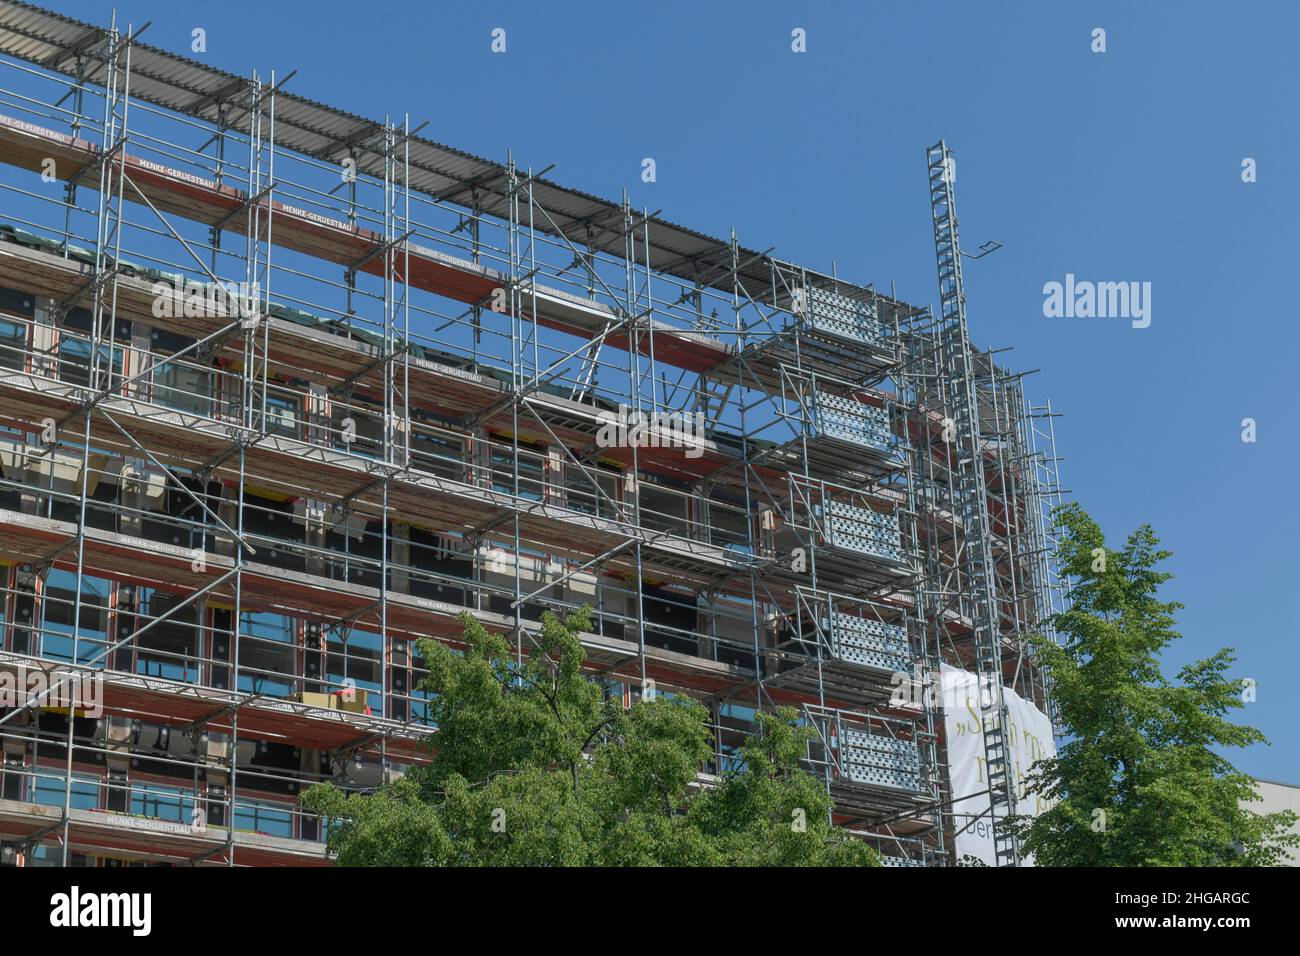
438,563
532,473
74,359
184,387
359,659
735,723
663,510
170,648
13,341
47,790
282,415
438,454
729,527
162,803
671,619
368,430
60,606
420,699
15,307
264,817
581,489
51,854
266,654
271,526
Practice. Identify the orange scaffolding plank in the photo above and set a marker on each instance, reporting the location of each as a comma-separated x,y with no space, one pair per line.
333,240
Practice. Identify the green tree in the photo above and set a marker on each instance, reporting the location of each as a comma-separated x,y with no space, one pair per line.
532,766
1141,781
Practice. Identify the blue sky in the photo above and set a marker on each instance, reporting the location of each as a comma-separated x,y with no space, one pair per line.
1124,165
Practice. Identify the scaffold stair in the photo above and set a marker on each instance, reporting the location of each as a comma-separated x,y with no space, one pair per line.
971,495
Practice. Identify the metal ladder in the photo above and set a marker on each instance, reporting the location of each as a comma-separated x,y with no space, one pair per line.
711,397
972,499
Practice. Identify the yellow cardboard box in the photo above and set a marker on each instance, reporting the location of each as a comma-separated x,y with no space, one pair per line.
358,703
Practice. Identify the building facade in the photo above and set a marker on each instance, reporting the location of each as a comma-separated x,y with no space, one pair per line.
283,389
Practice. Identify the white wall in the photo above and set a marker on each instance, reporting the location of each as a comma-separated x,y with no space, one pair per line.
1279,796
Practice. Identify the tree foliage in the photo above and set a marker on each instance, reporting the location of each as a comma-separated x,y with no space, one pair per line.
1141,780
533,766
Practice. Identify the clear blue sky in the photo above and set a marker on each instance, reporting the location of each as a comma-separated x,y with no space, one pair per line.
1117,166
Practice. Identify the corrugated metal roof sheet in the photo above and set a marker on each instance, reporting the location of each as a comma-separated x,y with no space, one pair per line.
53,41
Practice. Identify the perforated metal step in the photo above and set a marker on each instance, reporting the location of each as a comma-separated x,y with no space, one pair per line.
857,640
881,761
862,530
848,420
839,316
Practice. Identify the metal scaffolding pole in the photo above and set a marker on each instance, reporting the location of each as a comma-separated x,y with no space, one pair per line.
338,453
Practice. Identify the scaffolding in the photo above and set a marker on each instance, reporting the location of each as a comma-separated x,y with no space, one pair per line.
238,484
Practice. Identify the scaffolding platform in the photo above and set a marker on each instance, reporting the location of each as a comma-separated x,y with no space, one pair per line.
403,417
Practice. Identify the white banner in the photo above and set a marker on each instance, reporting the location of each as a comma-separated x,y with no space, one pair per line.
1028,737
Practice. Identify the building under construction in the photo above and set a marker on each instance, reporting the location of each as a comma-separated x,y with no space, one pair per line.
283,389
